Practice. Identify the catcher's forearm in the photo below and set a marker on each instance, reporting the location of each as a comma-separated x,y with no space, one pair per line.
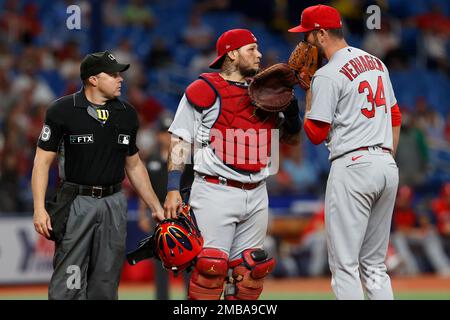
178,155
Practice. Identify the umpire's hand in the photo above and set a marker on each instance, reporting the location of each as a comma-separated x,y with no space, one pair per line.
172,204
42,223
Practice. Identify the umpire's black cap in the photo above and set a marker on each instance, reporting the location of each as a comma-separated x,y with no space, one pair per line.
97,62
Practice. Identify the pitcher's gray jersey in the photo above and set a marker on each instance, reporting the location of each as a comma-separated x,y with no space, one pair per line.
194,126
354,94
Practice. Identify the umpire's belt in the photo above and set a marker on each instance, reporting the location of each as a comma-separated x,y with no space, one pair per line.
96,191
231,183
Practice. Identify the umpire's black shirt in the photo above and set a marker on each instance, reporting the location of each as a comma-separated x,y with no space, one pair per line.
93,141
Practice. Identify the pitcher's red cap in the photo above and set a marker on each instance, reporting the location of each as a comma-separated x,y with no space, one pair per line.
318,17
231,40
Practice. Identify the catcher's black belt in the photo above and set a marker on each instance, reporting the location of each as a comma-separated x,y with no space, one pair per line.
231,183
95,191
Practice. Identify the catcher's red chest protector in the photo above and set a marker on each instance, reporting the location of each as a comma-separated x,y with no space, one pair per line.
247,148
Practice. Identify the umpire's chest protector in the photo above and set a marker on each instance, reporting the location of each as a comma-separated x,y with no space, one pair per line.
241,134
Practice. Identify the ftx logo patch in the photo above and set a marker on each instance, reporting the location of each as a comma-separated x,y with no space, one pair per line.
124,139
82,139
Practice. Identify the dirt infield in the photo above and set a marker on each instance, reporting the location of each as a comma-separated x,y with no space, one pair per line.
299,288
323,284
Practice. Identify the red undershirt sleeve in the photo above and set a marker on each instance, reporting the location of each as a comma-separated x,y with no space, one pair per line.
317,131
396,116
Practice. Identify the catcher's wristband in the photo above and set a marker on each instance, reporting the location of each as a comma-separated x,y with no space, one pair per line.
173,180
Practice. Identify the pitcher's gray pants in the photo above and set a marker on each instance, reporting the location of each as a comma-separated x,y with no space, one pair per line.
88,261
359,202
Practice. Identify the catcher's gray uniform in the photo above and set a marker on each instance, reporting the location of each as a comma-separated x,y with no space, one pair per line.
354,94
230,219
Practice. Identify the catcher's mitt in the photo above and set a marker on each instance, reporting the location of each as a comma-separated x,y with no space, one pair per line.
305,60
273,88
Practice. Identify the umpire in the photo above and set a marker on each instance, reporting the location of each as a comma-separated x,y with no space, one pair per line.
94,134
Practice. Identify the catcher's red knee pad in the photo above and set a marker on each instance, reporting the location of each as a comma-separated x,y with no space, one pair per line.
248,273
208,276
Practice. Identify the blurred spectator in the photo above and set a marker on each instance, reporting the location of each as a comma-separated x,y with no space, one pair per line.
270,57
435,28
303,173
380,42
160,55
352,13
197,34
441,211
137,13
258,10
212,5
147,107
413,229
280,183
280,21
430,122
27,79
124,52
412,153
7,97
314,242
447,130
20,24
8,181
69,60
397,60
200,62
112,13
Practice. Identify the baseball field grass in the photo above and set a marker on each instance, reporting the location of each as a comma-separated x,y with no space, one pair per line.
405,288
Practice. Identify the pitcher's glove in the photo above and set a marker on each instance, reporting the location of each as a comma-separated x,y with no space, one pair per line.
272,89
305,60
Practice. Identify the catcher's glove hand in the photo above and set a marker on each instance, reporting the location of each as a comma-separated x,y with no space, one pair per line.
305,60
272,89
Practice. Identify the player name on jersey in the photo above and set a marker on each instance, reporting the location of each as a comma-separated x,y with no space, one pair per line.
360,64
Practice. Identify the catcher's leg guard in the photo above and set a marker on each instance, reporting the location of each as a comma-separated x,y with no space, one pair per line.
248,273
209,275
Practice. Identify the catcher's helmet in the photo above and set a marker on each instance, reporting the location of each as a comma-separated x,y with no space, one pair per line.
178,241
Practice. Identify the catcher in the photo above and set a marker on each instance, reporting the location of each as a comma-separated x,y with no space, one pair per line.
229,132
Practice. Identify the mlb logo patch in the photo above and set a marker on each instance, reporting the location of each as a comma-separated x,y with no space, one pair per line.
124,139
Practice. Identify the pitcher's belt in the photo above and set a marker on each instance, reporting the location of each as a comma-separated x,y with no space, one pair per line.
386,150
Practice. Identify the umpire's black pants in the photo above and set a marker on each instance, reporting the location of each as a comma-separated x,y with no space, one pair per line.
88,261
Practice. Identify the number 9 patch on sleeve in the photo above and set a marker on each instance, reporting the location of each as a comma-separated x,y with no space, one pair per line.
45,133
